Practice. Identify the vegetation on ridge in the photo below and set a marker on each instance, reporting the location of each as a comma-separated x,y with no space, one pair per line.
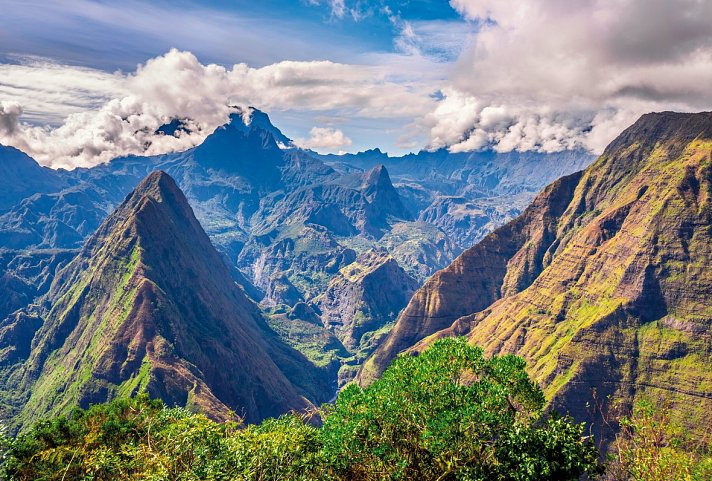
447,414
651,447
603,285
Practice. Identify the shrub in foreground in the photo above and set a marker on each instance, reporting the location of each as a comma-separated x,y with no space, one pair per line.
651,447
447,414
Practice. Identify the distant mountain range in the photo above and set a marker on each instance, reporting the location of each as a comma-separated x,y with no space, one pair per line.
603,284
289,224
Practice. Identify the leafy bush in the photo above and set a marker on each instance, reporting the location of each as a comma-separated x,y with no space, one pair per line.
449,413
650,447
141,439
444,415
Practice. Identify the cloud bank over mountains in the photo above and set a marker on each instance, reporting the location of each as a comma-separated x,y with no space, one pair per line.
544,75
177,85
551,74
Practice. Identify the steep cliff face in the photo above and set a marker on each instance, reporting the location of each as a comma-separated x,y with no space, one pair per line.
506,260
471,220
365,296
611,294
148,304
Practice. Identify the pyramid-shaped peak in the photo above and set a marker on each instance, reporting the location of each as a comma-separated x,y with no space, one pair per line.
160,187
155,209
157,180
380,192
164,308
378,176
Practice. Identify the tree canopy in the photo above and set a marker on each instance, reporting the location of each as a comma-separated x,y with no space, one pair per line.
446,414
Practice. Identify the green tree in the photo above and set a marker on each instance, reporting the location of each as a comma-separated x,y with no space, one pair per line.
446,414
449,414
97,443
142,439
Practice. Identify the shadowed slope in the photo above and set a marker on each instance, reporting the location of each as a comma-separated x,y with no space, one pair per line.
148,304
615,297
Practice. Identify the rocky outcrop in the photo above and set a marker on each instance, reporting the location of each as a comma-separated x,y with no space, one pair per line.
280,290
470,220
148,304
293,263
365,296
609,292
420,248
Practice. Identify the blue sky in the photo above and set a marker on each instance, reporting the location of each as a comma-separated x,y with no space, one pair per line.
79,79
118,35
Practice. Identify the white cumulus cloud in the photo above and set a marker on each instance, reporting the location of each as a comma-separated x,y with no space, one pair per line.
542,75
574,72
324,138
177,85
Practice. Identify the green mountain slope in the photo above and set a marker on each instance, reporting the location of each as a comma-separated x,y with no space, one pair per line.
149,304
611,294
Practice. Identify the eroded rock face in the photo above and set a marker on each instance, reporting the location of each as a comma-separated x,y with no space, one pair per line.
508,258
609,287
361,303
469,221
294,263
365,296
148,303
420,248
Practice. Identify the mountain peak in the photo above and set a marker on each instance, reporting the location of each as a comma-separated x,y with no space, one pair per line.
378,177
148,304
382,195
157,183
664,128
375,152
246,119
677,121
158,199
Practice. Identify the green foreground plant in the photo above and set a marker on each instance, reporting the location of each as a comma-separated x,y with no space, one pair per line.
651,447
447,414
